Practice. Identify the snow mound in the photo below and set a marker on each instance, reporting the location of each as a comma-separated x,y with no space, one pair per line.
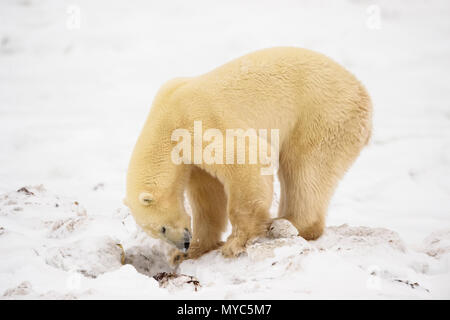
55,229
39,211
282,228
90,257
437,244
370,261
149,256
22,289
346,238
52,248
148,260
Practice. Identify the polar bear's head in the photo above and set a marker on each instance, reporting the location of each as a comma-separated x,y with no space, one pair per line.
160,218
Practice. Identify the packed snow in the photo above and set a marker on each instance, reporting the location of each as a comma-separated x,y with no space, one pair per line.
77,79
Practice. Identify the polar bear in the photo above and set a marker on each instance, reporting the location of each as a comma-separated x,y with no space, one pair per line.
323,117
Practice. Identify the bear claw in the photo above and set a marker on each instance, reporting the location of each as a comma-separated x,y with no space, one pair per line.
177,257
233,248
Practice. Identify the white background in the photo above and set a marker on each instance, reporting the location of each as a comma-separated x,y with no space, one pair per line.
77,79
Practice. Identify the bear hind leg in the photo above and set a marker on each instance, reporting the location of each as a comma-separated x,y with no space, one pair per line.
308,181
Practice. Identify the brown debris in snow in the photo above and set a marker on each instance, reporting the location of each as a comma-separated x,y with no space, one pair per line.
26,191
164,278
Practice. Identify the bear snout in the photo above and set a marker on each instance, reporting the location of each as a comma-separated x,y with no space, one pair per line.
186,240
182,243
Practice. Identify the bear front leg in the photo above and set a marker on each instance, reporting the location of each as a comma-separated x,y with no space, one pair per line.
248,209
208,202
247,225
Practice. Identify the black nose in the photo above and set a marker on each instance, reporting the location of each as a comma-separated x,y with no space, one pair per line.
187,239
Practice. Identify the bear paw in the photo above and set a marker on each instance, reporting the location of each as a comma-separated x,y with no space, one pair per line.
194,252
177,257
233,248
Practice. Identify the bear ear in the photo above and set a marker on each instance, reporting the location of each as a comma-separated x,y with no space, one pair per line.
145,198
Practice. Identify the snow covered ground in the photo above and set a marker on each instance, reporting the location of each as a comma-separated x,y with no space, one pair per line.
74,94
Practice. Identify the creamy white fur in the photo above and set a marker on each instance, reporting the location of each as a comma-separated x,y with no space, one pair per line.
323,114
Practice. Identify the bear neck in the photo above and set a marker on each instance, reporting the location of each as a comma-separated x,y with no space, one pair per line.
151,168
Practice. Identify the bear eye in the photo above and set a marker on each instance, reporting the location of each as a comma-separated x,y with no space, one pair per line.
163,230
